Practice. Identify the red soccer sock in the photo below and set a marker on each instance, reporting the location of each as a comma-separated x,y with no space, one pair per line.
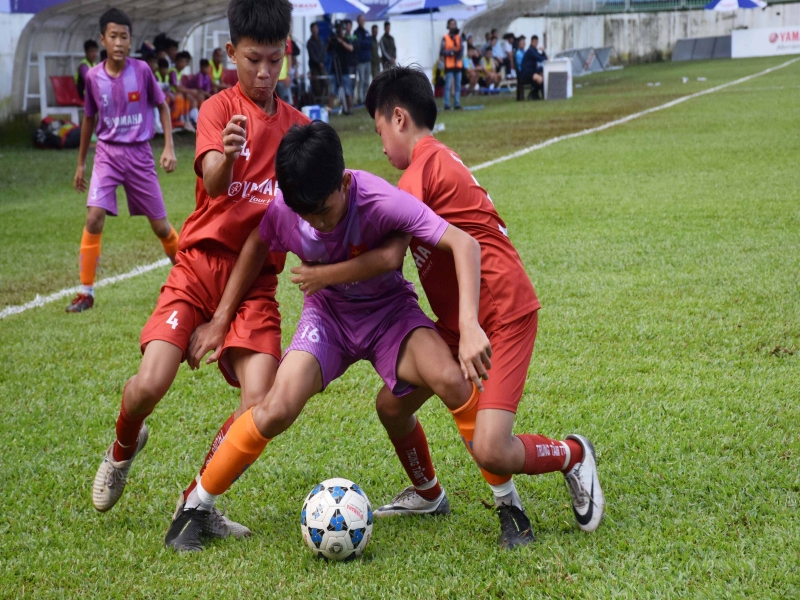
543,455
223,431
128,427
413,452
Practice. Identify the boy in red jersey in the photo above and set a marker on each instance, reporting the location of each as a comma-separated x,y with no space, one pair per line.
238,135
402,104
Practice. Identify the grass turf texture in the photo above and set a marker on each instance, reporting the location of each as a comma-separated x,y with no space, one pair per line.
665,255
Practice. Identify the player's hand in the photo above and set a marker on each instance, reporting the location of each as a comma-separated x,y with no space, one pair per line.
309,278
233,137
210,336
80,179
474,354
168,160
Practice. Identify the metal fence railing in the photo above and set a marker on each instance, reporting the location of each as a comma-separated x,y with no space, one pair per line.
584,7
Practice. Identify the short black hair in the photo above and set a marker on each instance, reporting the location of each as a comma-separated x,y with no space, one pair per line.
163,63
406,87
115,15
184,54
263,21
150,57
534,37
171,44
309,166
90,45
386,24
204,63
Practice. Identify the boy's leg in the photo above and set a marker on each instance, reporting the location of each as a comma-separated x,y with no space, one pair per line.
107,174
498,450
298,379
140,395
424,360
145,197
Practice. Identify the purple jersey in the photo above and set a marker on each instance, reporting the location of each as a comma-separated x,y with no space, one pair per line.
376,209
124,104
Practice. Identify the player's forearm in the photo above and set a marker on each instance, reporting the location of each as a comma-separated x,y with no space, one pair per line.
87,129
166,126
388,257
467,258
217,173
247,267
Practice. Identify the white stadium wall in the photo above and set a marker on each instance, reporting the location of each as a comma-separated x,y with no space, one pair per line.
644,37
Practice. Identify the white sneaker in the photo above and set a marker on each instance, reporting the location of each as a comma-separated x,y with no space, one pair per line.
409,502
588,502
217,525
111,477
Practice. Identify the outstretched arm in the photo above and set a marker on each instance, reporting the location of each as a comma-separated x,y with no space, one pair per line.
474,350
388,257
211,336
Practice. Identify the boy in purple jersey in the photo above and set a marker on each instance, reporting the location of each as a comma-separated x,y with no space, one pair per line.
326,214
120,96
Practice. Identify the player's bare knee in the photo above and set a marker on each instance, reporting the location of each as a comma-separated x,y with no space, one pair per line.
161,228
143,392
452,388
95,219
492,456
250,398
389,410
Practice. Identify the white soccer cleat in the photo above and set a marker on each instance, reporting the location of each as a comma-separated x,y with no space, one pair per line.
217,525
588,502
111,477
409,502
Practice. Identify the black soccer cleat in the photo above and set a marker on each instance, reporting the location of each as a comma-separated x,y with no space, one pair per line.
185,531
515,528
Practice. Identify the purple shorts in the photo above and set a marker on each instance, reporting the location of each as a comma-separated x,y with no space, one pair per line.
341,335
133,167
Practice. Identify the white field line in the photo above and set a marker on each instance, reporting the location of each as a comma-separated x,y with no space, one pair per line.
42,300
611,124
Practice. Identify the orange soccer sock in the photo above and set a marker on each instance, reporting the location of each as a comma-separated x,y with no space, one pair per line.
240,449
218,439
170,244
465,421
90,254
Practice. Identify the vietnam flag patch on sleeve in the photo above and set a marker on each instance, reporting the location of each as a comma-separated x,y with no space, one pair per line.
357,250
134,96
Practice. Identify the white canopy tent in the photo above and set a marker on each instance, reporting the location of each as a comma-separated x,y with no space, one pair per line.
56,34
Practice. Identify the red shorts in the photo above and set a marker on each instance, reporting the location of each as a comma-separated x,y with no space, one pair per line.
191,295
512,348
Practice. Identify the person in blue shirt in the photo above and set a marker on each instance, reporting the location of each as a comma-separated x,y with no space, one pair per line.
519,52
532,67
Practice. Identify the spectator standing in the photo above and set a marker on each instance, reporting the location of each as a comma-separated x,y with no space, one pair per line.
90,53
284,87
351,38
532,67
316,63
452,52
388,49
519,53
364,58
375,55
507,46
341,50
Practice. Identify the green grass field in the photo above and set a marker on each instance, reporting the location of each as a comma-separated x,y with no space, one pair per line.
665,253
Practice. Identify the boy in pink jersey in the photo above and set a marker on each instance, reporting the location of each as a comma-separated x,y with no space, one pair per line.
325,214
120,96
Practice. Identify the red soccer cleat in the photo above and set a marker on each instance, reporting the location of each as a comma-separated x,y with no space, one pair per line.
81,303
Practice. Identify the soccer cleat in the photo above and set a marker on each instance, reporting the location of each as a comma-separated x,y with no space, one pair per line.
185,531
80,303
588,502
217,525
409,502
515,527
111,477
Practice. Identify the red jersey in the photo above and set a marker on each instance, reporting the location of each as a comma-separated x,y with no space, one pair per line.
437,176
224,223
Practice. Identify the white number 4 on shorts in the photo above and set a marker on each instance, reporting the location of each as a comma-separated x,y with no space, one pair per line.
173,319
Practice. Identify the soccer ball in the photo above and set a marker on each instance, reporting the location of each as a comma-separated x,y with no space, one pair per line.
336,520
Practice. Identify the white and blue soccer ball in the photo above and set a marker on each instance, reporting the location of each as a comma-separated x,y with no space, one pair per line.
336,520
